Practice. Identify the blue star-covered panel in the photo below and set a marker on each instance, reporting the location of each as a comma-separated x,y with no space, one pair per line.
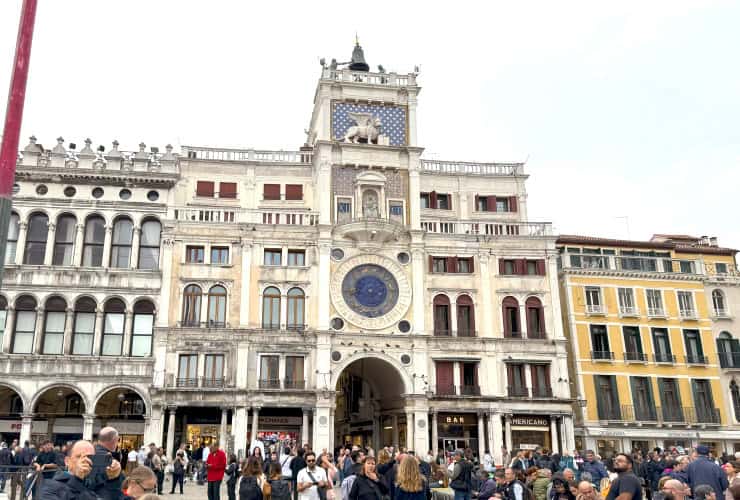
392,120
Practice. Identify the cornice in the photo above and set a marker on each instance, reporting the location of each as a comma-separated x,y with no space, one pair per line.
632,274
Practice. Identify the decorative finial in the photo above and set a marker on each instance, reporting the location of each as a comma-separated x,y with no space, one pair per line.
32,139
357,39
88,141
115,144
142,146
60,140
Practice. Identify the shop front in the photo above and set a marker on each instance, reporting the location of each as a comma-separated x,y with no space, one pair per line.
10,430
273,429
196,426
130,432
457,431
607,442
529,432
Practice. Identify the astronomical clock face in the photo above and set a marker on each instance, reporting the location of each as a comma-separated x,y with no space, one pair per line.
370,291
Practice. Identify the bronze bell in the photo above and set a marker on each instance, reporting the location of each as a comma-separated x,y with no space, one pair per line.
358,60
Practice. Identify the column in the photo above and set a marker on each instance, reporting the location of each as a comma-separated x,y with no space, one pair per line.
417,296
223,438
497,438
485,306
153,425
409,430
8,333
50,238
414,193
324,279
481,436
79,245
165,264
255,421
284,309
246,284
239,426
453,319
395,430
68,322
135,242
304,427
421,432
26,422
435,433
507,430
127,333
323,187
87,426
38,336
568,433
170,450
331,430
20,250
554,434
98,338
106,247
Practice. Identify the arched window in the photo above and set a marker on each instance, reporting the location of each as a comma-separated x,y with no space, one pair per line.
3,317
442,319
84,327
512,323
25,324
271,308
38,232
123,235
13,230
217,306
535,318
735,393
143,332
113,324
92,250
54,319
728,350
149,244
718,302
465,316
296,308
191,300
64,240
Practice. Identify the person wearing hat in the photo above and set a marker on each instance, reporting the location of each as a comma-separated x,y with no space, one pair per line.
704,471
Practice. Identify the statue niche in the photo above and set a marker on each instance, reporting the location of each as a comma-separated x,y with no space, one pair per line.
370,204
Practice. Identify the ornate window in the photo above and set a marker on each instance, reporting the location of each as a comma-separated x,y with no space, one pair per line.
64,240
271,308
92,249
728,350
151,231
143,329
535,318
296,308
718,302
12,244
465,316
84,327
38,232
25,324
191,301
512,323
113,327
54,320
442,319
217,306
123,234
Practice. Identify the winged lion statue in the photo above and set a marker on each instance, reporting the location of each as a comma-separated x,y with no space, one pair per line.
368,127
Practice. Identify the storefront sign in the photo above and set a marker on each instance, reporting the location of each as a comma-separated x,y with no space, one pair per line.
528,446
530,421
459,419
38,427
125,427
280,421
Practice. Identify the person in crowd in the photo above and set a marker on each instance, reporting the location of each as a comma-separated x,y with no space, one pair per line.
346,484
154,462
368,485
16,477
249,487
462,476
285,462
296,466
703,471
410,482
131,461
680,469
540,484
216,466
162,468
279,485
705,492
735,490
566,462
487,488
231,475
732,470
179,466
6,460
513,488
311,478
561,490
100,479
141,482
72,484
46,463
594,468
627,485
331,474
257,452
520,462
586,491
676,488
272,457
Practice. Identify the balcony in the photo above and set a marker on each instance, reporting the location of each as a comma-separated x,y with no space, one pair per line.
446,390
703,415
664,357
290,383
729,360
689,314
469,390
470,168
696,359
502,230
672,415
721,313
202,324
629,263
515,391
375,229
642,414
187,382
269,383
368,78
542,392
656,312
442,333
212,382
629,311
235,215
243,155
595,309
200,382
602,356
635,357
536,335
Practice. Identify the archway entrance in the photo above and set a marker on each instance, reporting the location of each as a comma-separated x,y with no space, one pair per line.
11,409
123,409
369,405
61,409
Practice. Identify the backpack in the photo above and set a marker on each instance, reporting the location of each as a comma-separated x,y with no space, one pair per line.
463,482
148,463
280,489
249,489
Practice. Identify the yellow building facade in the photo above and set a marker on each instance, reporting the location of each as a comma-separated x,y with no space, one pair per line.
639,317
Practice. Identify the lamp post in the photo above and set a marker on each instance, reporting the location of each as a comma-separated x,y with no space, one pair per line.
13,119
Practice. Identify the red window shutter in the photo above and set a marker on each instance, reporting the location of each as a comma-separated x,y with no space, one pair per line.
507,323
502,266
449,202
541,267
510,374
541,314
472,317
475,208
431,264
294,191
271,192
445,374
491,203
535,382
472,264
451,264
475,371
433,199
204,188
227,190
520,266
512,204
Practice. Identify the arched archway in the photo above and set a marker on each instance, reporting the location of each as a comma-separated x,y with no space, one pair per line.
370,402
124,408
61,407
11,409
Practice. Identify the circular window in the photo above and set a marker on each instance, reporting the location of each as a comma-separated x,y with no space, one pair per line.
336,356
125,194
152,196
70,191
403,258
16,188
404,326
98,192
337,253
337,323
42,189
405,359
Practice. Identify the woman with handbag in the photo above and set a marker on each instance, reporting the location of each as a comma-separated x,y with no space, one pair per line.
250,487
368,485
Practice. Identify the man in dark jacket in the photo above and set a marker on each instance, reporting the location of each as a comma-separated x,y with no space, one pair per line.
107,482
461,479
704,471
6,459
71,485
296,465
594,467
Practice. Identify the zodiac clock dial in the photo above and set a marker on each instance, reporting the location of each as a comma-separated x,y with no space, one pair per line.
370,290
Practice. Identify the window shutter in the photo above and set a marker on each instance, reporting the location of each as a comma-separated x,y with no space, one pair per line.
491,203
472,324
451,264
472,264
512,204
502,266
433,199
475,374
547,376
271,192
615,395
533,372
541,267
635,401
431,264
227,190
507,322
475,209
520,266
600,406
541,314
445,376
204,188
294,191
449,202
510,374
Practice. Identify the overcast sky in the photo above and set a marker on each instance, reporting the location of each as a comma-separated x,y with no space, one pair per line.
628,113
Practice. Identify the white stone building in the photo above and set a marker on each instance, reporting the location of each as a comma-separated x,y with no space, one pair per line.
350,291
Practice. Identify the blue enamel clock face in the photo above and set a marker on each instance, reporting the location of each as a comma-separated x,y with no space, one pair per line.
370,290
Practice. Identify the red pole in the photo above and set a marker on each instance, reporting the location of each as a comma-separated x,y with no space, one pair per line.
13,119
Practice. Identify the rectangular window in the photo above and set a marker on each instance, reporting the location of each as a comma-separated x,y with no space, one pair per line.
662,346
54,332
444,201
143,330
113,324
294,192
220,255
600,342
469,379
541,381
654,302
214,367
344,210
502,205
532,268
465,265
670,399
704,402
296,257
294,375
642,398
271,192
720,268
686,305
687,266
227,190
425,200
269,372
632,344
626,301
607,398
508,267
187,372
694,351
485,203
25,326
445,376
442,320
517,380
395,210
273,256
194,255
204,188
439,264
84,332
